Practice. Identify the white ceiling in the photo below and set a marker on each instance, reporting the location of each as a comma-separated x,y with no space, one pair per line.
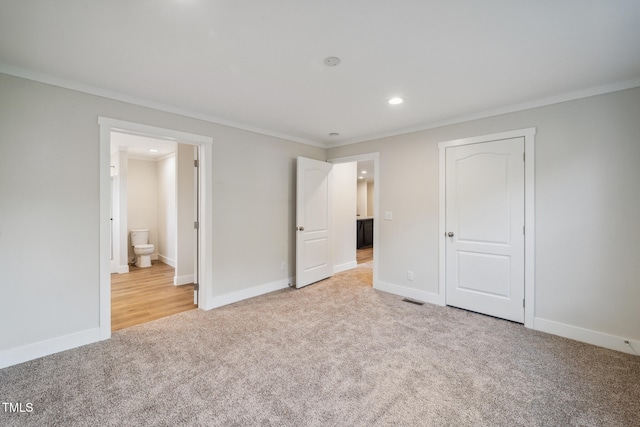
365,170
258,64
139,146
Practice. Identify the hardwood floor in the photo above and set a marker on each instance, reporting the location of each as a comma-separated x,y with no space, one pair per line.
364,255
146,294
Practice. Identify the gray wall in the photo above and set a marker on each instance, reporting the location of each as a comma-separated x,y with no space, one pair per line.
587,207
49,206
343,228
144,191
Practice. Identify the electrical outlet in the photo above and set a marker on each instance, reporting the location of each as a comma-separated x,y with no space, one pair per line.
409,275
283,266
388,215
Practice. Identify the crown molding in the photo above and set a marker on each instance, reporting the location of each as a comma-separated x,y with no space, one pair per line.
571,96
93,90
117,96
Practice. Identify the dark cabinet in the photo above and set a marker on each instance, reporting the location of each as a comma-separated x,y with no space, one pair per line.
364,237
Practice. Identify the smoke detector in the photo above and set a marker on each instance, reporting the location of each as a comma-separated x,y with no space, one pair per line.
331,61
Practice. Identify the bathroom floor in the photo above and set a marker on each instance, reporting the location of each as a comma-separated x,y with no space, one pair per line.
146,294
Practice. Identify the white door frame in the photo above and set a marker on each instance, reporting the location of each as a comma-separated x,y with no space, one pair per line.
376,202
107,125
529,213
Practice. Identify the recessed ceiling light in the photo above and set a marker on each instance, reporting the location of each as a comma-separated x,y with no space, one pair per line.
359,177
334,134
364,171
153,150
396,101
331,61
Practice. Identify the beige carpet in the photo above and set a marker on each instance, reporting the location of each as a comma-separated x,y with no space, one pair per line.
336,353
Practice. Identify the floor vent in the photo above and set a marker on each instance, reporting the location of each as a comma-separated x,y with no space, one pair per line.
413,302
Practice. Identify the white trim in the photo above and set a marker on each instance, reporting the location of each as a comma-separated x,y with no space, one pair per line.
105,231
243,294
344,267
442,247
169,261
530,227
182,280
107,125
376,200
110,94
153,131
406,292
529,216
122,269
39,349
588,336
205,215
571,96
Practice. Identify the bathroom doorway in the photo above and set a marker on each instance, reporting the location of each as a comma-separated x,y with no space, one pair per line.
157,183
155,194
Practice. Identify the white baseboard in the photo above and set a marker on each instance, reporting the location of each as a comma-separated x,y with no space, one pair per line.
182,280
344,267
412,293
232,297
122,269
586,335
167,260
13,356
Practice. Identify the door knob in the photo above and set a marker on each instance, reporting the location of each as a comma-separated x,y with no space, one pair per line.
450,234
300,228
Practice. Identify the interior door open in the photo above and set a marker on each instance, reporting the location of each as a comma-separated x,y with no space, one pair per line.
313,221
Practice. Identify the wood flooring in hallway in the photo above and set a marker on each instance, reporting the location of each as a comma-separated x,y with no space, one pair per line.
364,255
146,294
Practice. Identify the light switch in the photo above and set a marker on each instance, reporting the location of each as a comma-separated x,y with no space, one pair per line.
388,215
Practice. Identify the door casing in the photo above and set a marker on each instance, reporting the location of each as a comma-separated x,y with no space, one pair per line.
205,261
529,212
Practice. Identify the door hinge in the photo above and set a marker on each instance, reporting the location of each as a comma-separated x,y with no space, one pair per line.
196,164
523,157
523,230
523,303
196,225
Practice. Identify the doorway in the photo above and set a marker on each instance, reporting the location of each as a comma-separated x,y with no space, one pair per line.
369,209
155,195
201,230
365,216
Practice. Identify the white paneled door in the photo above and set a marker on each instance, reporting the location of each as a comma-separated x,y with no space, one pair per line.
313,216
485,228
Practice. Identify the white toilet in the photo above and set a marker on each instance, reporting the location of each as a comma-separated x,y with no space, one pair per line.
141,247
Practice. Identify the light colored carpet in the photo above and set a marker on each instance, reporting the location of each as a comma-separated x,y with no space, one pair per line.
335,353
